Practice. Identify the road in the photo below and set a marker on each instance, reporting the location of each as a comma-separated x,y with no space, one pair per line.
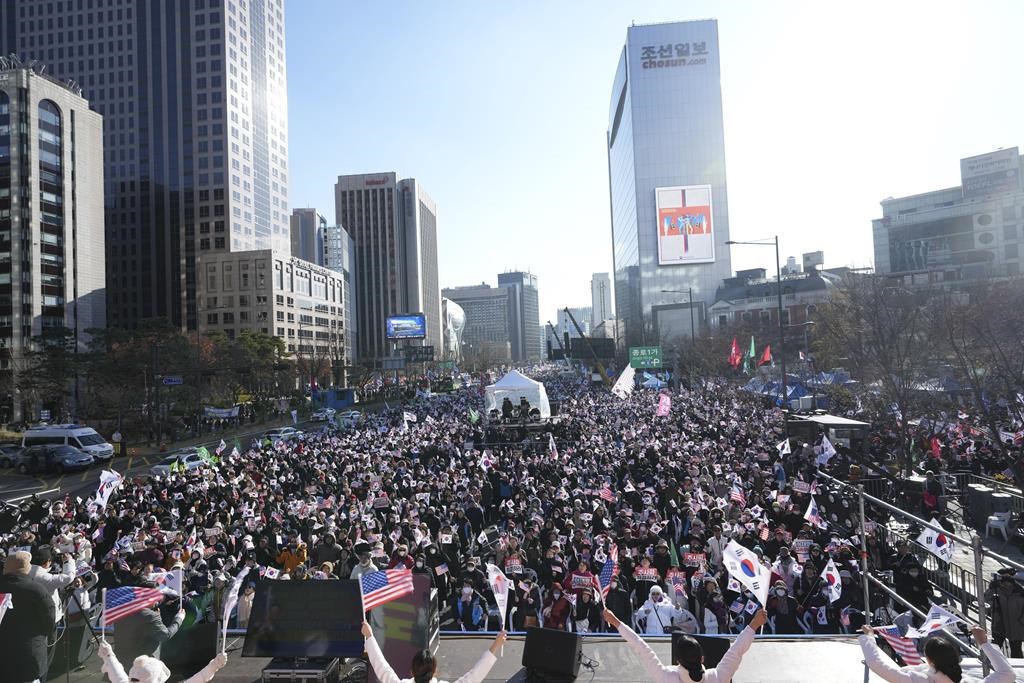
84,483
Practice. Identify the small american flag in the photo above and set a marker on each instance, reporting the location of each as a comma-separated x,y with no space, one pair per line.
609,570
384,586
606,494
904,647
127,600
764,533
737,496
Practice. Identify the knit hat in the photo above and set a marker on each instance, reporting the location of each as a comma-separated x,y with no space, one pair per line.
17,563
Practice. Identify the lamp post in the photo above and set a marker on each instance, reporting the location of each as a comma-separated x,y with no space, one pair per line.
778,277
693,334
806,325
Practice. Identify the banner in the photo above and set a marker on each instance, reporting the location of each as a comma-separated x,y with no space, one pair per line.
624,384
220,412
664,405
748,570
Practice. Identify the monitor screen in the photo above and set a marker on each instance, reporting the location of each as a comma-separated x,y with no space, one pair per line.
305,619
411,326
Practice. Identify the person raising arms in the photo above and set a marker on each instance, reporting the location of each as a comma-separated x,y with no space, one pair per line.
424,666
942,661
688,656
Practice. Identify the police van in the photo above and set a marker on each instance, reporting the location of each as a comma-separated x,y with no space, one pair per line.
75,435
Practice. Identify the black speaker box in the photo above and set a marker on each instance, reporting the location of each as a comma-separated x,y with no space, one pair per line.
553,653
190,649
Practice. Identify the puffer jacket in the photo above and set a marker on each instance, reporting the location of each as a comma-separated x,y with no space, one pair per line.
884,667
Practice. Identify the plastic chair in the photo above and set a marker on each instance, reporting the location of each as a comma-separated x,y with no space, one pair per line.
1001,522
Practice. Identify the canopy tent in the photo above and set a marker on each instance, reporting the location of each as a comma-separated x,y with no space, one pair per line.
514,386
652,382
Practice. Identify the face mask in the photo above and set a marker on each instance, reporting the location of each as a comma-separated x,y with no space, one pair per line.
419,563
467,591
614,584
656,598
781,592
913,572
557,595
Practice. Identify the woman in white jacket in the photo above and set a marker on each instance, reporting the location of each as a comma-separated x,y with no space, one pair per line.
424,666
688,656
942,661
662,617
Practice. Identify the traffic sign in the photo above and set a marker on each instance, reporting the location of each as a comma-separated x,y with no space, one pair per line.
171,380
645,357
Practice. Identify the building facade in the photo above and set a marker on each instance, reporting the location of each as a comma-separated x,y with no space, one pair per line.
959,234
488,319
527,342
583,317
52,272
393,224
266,291
193,95
600,299
666,165
340,256
308,232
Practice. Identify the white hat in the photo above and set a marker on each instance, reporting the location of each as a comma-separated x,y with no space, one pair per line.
656,589
146,669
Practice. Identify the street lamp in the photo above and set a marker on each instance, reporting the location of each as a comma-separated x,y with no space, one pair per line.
778,276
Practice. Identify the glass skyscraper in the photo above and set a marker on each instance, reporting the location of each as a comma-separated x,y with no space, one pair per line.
666,166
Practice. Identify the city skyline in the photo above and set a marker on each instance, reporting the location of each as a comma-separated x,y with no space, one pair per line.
840,146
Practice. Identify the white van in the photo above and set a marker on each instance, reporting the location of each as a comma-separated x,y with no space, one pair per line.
75,435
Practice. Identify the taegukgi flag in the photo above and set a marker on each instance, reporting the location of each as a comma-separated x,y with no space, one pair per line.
744,566
937,543
499,586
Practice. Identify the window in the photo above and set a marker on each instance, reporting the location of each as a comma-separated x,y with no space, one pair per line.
211,318
1011,251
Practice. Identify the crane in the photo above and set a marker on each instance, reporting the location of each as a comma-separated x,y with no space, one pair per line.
554,333
600,367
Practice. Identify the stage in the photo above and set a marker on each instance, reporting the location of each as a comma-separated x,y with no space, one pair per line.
836,660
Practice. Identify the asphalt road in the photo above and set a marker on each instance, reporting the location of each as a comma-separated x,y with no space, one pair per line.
84,483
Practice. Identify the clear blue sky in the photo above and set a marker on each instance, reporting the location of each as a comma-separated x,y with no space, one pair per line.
500,110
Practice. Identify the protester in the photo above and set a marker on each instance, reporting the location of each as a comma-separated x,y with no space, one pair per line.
942,661
25,628
1007,599
146,669
424,665
143,632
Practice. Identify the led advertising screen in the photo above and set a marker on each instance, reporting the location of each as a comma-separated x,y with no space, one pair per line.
305,619
409,326
685,232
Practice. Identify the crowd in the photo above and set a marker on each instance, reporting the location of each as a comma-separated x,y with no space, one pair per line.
444,495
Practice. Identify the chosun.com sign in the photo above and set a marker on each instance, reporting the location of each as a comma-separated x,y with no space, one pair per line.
679,54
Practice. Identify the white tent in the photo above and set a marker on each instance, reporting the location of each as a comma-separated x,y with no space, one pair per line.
515,385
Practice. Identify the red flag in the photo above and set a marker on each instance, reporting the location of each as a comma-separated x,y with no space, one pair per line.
766,357
735,358
936,447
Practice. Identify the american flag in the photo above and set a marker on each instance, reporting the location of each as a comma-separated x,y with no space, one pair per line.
609,569
384,586
737,496
606,494
552,448
127,600
812,515
904,647
764,533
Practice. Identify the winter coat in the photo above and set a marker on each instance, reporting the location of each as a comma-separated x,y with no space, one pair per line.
143,633
659,673
385,674
24,629
662,616
54,583
884,667
1008,613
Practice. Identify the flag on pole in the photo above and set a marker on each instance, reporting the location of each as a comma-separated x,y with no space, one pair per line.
230,601
828,451
783,447
408,417
813,516
381,587
552,448
937,543
623,386
673,554
609,569
204,455
832,581
734,354
119,603
168,581
904,647
736,495
766,357
5,604
744,566
110,481
221,447
606,494
752,353
474,416
937,618
499,586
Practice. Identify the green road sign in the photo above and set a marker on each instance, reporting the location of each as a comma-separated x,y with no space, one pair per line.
645,357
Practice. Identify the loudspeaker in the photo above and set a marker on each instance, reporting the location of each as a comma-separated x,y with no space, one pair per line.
191,648
553,653
714,648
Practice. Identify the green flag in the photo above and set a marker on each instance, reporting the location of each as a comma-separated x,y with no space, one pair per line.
474,416
204,455
673,553
753,350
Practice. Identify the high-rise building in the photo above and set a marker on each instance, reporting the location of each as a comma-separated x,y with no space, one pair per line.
308,231
666,165
565,326
51,217
393,224
600,299
971,232
193,95
488,329
340,256
527,341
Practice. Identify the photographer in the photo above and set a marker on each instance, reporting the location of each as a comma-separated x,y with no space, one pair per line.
42,562
1007,599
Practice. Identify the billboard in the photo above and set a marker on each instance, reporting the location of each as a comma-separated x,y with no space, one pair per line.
991,173
685,232
408,326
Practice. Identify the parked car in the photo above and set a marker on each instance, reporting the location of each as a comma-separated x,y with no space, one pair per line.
187,457
281,434
322,415
75,435
52,458
9,453
349,418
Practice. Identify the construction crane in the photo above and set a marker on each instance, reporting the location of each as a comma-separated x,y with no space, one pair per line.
600,367
554,333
